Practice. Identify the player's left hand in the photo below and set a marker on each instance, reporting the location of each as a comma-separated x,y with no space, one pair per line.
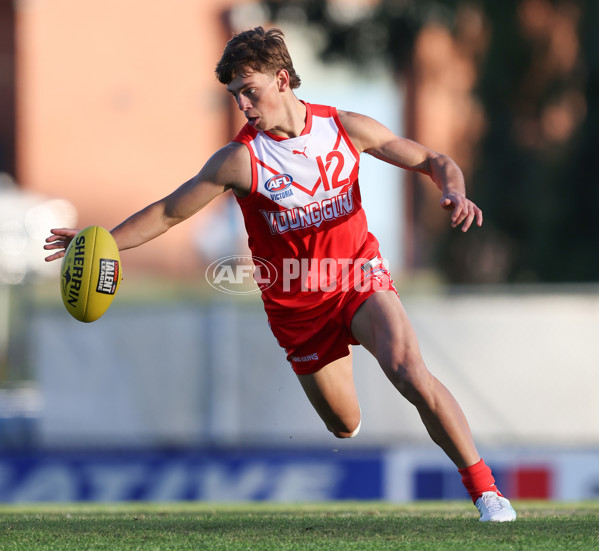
464,210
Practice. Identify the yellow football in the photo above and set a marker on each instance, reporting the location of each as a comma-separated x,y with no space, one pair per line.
90,274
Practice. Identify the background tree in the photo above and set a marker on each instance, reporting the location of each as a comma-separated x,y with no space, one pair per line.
528,157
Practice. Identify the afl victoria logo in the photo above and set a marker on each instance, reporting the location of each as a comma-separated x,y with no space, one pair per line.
238,275
278,182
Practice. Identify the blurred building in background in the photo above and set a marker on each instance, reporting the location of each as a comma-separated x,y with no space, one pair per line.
181,392
118,105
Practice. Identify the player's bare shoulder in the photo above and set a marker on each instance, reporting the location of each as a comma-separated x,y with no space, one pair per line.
231,167
364,131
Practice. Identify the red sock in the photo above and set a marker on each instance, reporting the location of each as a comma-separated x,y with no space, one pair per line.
478,479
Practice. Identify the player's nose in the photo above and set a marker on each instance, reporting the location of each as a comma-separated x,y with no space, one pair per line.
243,103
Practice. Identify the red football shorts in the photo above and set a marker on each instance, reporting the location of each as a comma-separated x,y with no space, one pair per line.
318,338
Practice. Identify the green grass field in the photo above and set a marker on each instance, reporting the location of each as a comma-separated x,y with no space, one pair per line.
424,526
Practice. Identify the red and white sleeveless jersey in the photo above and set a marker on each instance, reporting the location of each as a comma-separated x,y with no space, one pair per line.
304,213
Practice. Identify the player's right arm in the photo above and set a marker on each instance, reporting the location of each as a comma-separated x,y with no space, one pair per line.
228,168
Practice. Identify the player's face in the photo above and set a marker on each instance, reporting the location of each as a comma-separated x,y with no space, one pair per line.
258,97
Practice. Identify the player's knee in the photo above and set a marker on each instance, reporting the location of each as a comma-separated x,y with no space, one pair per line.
345,433
412,379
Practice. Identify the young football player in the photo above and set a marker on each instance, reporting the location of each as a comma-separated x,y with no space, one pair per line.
293,169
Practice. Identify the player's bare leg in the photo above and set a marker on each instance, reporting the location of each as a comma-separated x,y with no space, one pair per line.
332,392
383,328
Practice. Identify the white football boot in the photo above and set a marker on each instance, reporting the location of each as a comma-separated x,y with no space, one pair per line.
494,508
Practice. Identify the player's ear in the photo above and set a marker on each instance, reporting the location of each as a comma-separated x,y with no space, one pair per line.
282,79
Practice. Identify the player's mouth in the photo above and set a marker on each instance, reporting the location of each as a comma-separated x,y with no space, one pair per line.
252,120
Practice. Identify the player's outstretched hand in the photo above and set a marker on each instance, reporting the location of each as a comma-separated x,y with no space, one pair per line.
60,239
464,211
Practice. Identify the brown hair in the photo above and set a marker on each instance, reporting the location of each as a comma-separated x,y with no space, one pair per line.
258,50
